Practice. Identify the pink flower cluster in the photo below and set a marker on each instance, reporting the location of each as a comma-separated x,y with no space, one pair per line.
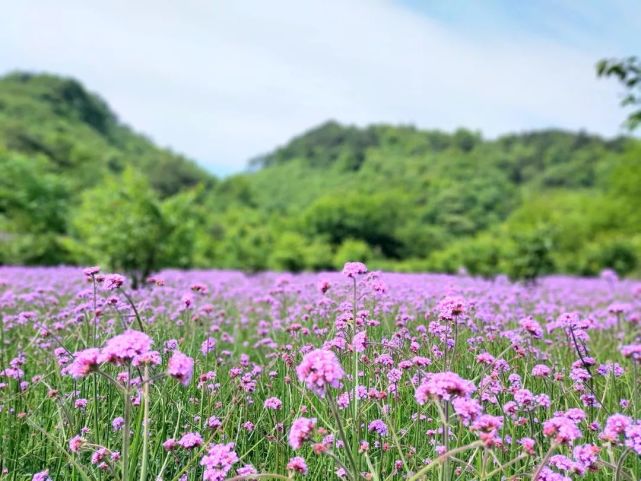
181,367
218,461
319,369
301,431
443,386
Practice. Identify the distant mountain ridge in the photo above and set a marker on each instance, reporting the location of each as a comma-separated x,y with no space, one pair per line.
399,197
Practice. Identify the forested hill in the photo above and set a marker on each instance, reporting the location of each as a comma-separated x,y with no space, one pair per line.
78,186
74,132
438,201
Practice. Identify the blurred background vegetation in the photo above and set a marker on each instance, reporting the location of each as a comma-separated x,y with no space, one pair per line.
77,186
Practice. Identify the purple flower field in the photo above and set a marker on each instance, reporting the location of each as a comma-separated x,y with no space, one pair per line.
355,375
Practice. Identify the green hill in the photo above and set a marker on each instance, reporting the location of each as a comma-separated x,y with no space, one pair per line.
76,134
396,196
415,199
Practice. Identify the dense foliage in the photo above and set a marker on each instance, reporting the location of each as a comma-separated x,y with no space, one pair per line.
628,72
212,375
77,186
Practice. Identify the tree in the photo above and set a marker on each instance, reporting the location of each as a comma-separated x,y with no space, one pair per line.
532,254
33,211
628,72
122,224
352,250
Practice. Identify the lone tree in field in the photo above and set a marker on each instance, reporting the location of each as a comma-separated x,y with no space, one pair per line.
122,224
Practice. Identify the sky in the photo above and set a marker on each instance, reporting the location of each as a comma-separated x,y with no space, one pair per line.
223,81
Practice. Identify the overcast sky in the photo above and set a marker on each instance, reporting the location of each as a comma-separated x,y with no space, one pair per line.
224,80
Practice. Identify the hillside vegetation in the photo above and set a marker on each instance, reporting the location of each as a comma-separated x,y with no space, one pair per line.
78,186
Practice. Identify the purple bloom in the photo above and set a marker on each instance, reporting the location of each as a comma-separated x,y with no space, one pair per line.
297,464
633,438
91,271
208,345
117,423
301,431
467,409
190,441
218,461
450,307
76,443
83,363
181,367
632,351
113,281
125,347
562,429
318,369
615,427
41,476
272,403
354,269
443,386
378,426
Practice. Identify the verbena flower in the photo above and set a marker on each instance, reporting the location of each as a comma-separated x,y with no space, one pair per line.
561,429
181,367
378,426
354,269
124,347
113,281
190,440
84,362
319,369
297,465
41,476
443,386
272,403
301,430
218,461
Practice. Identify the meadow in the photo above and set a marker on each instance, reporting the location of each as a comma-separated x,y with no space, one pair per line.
348,375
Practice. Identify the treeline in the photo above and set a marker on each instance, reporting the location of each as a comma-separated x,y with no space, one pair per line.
78,186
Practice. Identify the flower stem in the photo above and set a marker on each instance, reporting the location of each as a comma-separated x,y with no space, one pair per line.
341,431
443,457
544,461
145,425
125,429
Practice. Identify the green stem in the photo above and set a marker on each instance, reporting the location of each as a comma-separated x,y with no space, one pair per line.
259,476
145,425
125,430
443,457
341,431
133,306
619,470
544,461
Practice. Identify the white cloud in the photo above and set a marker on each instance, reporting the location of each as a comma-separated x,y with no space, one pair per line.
225,80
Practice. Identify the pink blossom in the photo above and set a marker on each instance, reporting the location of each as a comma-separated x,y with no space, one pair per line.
181,367
76,443
443,386
190,441
272,403
218,461
125,347
297,464
113,281
84,362
562,429
354,269
41,476
301,431
318,369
